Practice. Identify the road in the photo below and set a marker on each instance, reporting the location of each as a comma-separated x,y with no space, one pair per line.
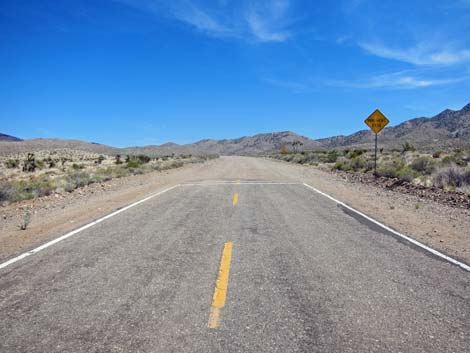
284,268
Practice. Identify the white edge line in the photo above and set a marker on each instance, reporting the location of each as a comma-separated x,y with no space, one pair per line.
411,240
68,235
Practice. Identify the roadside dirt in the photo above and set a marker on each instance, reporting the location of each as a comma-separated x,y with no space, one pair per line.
440,226
453,199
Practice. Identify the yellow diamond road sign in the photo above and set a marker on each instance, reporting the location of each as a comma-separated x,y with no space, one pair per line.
377,121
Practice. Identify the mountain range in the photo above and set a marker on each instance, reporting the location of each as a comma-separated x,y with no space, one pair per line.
448,129
4,137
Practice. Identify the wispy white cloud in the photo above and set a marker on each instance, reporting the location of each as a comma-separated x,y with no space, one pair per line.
396,80
184,11
343,39
421,54
267,21
196,17
251,20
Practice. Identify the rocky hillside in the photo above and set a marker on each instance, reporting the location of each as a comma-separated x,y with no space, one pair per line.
449,129
36,145
4,137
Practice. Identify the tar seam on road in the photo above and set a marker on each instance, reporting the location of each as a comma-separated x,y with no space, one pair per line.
68,235
215,183
220,291
411,240
235,199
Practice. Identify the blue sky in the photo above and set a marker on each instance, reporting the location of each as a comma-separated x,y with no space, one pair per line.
137,72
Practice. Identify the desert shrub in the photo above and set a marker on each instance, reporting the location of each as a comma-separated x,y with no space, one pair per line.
12,163
49,162
287,157
143,158
406,147
120,172
76,166
63,161
77,180
40,164
454,159
407,174
452,177
35,187
311,157
136,171
343,165
118,159
356,153
423,165
100,159
299,158
96,178
26,219
7,191
390,169
133,163
176,164
437,154
358,163
331,156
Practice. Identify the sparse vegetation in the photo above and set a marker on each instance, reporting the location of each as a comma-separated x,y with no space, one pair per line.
408,148
12,163
25,221
447,170
452,177
49,173
76,166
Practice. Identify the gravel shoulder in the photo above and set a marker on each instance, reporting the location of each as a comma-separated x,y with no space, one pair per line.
442,227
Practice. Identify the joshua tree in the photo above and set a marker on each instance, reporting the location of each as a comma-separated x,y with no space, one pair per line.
118,159
29,164
297,143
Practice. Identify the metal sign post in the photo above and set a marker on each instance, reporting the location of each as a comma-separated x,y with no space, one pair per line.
376,121
375,156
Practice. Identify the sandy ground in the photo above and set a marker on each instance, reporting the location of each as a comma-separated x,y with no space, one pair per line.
442,227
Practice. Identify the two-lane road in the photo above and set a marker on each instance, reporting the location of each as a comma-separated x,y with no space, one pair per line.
303,275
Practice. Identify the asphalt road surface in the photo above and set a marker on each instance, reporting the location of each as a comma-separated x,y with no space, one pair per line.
300,274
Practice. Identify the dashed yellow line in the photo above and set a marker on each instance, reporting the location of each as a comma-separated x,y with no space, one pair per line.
220,292
235,199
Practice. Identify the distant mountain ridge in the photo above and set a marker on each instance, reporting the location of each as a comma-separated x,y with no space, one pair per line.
4,137
448,129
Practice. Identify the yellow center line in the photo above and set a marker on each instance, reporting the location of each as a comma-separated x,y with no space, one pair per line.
220,292
235,199
238,181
